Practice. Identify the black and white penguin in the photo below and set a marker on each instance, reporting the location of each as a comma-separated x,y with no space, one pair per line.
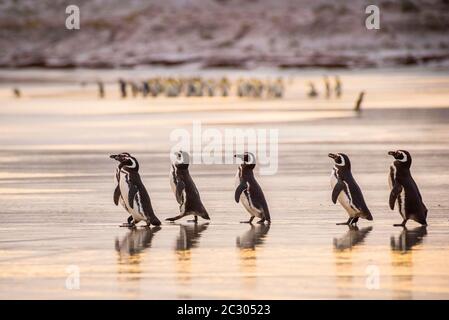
131,192
404,190
248,191
185,190
346,190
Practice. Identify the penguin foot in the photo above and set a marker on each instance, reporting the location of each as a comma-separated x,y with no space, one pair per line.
249,221
342,224
174,218
195,220
127,225
261,221
400,224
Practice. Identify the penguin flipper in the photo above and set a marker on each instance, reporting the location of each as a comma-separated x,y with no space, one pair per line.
337,189
394,194
180,186
132,193
241,187
117,195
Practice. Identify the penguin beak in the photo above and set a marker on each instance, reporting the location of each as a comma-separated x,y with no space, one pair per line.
240,156
392,153
332,155
113,156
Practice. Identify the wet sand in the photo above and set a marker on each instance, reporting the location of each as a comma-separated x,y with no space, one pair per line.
56,184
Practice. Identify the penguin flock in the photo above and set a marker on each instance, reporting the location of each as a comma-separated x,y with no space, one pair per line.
198,87
337,89
131,193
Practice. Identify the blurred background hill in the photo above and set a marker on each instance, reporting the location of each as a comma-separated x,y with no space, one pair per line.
223,33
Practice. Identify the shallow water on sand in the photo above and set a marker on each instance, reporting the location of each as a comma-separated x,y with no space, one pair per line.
56,184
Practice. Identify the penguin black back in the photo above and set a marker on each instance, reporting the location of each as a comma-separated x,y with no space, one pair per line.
249,191
404,190
185,190
346,190
132,192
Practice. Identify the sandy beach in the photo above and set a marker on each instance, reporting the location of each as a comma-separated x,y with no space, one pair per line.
56,186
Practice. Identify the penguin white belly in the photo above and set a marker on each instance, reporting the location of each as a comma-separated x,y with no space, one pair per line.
172,176
343,199
137,211
401,198
245,202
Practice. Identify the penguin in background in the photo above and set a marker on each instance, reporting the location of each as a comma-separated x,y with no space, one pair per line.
327,87
346,190
122,87
404,190
131,192
358,103
312,91
185,191
100,89
338,89
17,92
248,191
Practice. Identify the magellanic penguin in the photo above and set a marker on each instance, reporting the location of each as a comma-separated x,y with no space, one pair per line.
404,190
131,192
346,190
248,190
185,190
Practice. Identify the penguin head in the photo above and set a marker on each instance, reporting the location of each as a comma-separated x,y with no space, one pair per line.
126,160
341,160
182,159
401,158
249,160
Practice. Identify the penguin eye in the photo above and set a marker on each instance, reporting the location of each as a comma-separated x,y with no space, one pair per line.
338,160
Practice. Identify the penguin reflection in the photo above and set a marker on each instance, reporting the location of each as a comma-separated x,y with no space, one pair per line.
343,258
247,243
402,260
408,239
130,249
188,239
253,238
351,238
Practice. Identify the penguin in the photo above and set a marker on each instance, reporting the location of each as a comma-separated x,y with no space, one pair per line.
327,86
131,192
185,190
358,103
404,190
338,89
17,92
122,86
100,89
312,92
346,190
248,190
